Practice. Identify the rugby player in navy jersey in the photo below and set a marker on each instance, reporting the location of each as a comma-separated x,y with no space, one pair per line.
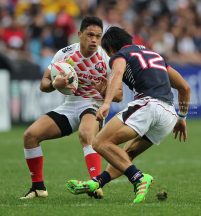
146,121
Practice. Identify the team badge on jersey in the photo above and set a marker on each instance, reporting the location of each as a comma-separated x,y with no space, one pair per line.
99,67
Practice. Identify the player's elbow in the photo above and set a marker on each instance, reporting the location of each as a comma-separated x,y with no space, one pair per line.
119,96
188,89
185,89
118,99
41,87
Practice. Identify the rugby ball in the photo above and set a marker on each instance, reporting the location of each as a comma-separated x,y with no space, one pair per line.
59,66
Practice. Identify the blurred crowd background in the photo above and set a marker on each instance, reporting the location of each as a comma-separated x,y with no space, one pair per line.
33,30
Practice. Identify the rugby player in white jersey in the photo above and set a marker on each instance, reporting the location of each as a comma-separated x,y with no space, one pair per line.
91,65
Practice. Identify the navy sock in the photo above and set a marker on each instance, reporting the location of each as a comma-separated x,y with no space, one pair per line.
102,179
133,174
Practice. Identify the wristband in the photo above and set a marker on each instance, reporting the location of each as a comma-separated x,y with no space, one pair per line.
51,86
182,115
182,118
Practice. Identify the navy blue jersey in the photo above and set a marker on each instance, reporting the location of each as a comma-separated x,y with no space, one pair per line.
146,72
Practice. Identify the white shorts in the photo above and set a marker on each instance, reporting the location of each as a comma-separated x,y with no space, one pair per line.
74,108
150,117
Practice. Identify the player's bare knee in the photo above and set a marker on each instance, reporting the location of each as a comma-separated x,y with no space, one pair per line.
29,139
85,136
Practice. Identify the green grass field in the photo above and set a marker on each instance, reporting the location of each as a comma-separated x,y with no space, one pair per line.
175,166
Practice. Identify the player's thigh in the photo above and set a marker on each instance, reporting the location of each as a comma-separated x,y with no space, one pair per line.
88,129
136,146
115,131
43,129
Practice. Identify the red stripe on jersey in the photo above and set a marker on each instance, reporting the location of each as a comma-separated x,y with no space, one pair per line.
98,56
94,92
168,66
90,86
87,63
75,58
94,59
118,58
104,65
93,71
76,69
57,67
79,54
86,88
82,67
82,80
98,97
80,90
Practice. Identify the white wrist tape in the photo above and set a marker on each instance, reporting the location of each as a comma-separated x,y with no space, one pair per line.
182,115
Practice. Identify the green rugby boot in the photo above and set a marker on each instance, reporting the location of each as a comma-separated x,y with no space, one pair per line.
80,187
141,188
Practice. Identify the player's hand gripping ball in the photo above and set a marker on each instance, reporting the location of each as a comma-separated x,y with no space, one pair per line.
57,68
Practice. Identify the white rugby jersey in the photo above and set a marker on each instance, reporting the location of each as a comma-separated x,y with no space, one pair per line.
86,68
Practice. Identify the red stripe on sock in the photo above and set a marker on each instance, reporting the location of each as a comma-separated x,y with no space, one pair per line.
94,164
36,168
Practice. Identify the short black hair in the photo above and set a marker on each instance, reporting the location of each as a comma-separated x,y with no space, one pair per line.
87,21
116,38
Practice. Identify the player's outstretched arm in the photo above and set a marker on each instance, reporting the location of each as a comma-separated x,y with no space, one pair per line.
177,82
114,83
45,85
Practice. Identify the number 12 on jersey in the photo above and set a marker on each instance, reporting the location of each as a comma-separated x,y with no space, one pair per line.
151,61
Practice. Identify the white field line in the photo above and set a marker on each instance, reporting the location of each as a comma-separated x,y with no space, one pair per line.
113,204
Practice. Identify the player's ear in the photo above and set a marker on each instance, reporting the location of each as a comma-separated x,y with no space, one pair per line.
79,34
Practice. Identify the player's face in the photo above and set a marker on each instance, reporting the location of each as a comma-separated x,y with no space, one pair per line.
90,38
